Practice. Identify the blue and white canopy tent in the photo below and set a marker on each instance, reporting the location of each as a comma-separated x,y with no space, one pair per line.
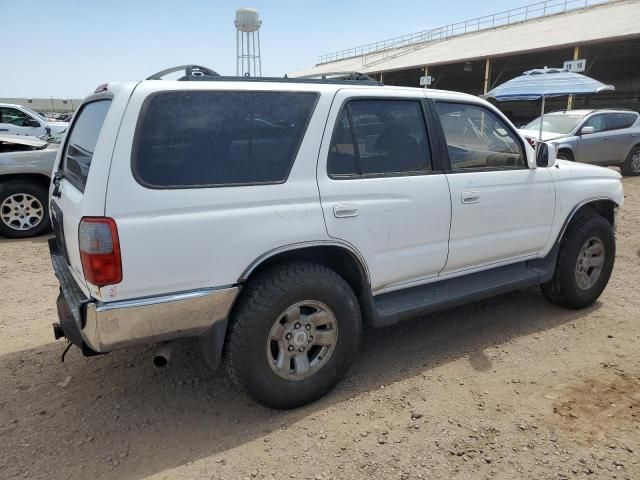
547,82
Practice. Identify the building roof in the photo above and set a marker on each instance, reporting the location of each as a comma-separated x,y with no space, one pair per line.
614,20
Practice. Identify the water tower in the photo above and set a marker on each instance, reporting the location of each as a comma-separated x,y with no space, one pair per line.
247,35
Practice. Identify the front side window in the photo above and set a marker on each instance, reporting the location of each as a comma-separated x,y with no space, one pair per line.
378,138
477,138
598,123
15,117
217,138
82,142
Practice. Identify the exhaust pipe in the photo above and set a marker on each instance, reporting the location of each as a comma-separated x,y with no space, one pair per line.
162,355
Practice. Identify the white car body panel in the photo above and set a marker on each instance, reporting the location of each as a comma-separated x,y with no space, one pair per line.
511,218
76,204
176,240
577,183
181,239
400,223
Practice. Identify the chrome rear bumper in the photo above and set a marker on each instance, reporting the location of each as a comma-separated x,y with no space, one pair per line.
104,327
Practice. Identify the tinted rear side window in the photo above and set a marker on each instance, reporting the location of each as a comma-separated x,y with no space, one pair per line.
200,139
82,142
390,139
618,121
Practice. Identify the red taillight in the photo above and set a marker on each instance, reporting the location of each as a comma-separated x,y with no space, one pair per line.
100,251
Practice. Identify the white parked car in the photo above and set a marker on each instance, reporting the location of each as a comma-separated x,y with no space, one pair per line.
26,164
274,218
19,120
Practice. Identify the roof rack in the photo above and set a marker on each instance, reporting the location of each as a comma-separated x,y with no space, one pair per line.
189,72
204,74
352,76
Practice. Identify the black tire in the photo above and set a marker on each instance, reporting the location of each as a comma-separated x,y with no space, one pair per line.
259,307
627,167
17,188
564,156
563,288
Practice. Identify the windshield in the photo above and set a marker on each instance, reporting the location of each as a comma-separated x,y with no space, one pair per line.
555,123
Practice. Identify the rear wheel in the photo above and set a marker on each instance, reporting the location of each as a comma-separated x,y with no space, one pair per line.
585,261
24,209
293,334
631,166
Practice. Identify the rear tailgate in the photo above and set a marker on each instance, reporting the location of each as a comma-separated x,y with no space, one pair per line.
81,173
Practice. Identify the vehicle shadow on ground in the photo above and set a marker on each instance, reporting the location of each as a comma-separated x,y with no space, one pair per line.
118,417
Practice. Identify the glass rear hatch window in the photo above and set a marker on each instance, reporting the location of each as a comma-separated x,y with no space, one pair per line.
219,138
82,142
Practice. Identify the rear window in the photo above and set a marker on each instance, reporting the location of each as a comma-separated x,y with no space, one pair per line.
82,142
205,139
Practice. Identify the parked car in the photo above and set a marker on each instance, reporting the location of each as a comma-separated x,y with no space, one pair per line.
19,120
601,137
274,218
26,164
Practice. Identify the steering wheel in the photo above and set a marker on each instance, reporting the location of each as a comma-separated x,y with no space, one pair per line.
189,71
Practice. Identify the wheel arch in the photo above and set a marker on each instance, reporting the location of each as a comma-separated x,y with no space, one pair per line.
603,206
568,151
37,178
340,257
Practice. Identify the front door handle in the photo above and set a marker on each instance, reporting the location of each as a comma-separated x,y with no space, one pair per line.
345,210
470,197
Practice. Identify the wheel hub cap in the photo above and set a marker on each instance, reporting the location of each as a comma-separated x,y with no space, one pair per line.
590,262
21,211
635,163
302,340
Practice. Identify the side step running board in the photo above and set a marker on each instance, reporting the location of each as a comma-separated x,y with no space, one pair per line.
393,307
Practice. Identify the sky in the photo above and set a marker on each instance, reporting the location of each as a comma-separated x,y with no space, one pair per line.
65,48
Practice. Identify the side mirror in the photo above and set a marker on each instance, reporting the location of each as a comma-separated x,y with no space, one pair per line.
545,155
587,130
32,122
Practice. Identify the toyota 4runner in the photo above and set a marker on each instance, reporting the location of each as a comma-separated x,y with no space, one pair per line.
274,218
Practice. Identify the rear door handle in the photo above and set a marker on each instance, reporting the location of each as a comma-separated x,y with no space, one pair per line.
345,210
470,197
4,129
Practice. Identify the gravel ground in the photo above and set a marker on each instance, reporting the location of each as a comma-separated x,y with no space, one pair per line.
511,387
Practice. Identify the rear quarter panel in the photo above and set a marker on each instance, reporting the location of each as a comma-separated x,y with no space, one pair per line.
175,240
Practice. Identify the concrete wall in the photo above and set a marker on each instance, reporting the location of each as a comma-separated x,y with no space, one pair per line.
58,105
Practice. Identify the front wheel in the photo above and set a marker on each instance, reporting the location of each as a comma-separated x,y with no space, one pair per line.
585,262
293,334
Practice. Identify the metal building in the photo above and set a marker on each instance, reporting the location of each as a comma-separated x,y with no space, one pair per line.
475,55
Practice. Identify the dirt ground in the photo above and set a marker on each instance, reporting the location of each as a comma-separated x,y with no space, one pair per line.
511,388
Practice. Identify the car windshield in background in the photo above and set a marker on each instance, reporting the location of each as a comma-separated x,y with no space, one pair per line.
556,123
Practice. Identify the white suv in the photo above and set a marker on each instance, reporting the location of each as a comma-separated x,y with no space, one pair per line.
274,218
